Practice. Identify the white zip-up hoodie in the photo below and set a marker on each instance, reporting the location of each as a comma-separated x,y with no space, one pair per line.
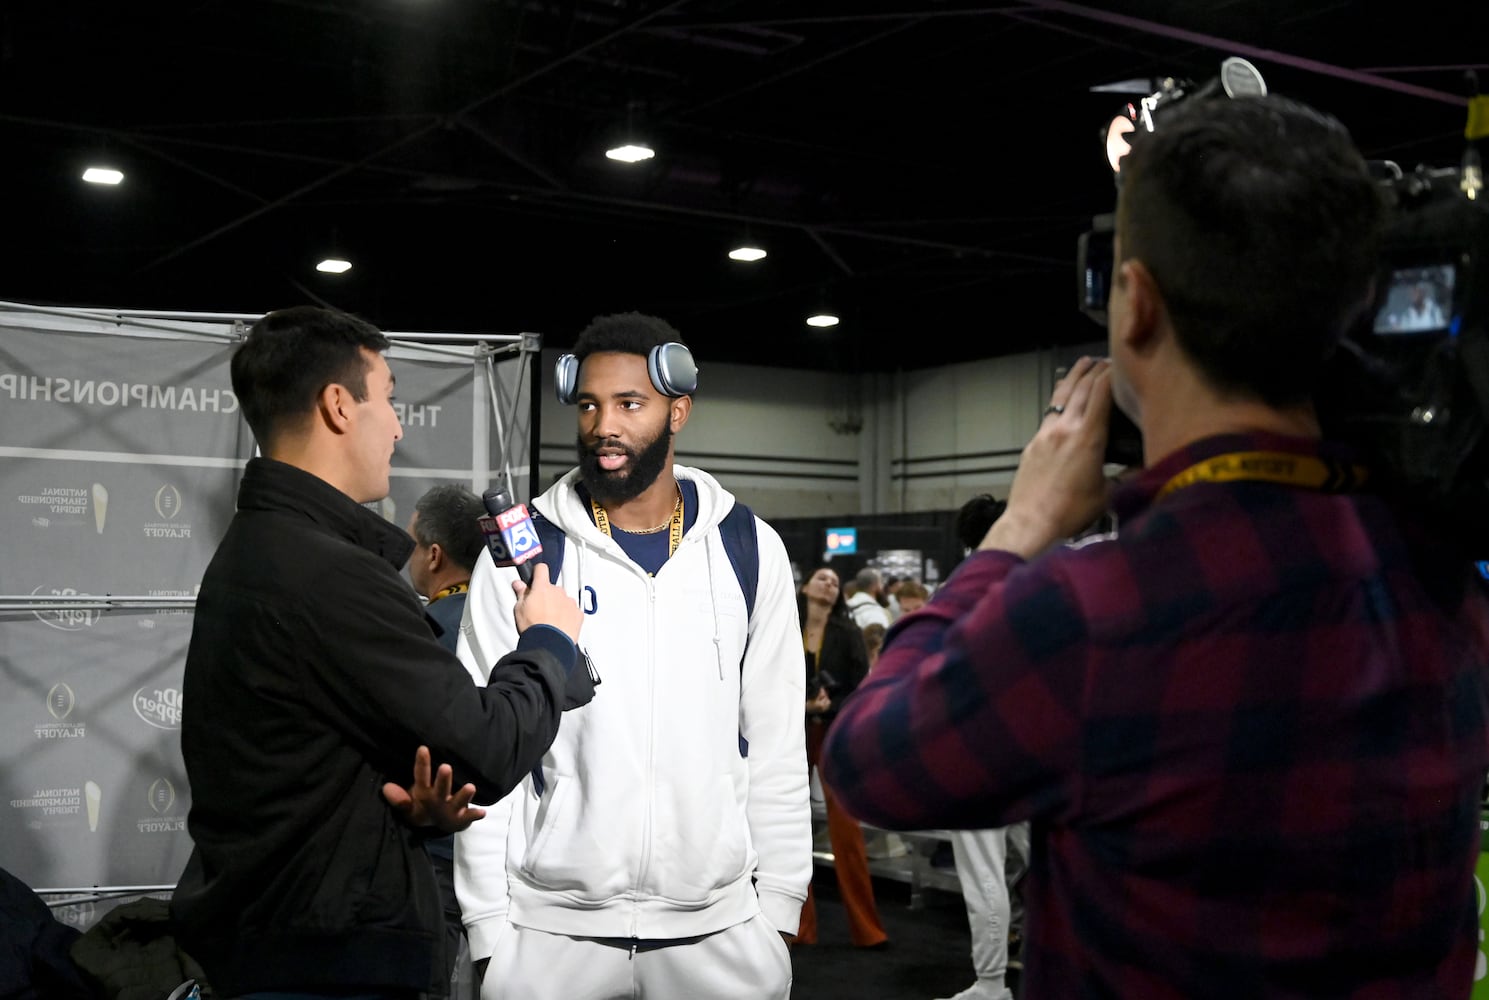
650,823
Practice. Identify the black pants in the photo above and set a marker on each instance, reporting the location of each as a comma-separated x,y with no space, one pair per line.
444,874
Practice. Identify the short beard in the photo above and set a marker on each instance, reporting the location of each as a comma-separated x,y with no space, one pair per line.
617,487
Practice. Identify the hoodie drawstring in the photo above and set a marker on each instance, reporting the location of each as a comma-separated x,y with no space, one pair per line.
713,598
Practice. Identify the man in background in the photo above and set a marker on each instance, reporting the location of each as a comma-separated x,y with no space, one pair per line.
1249,729
866,602
446,529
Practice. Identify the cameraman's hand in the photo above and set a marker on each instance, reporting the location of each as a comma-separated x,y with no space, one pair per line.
546,604
1059,489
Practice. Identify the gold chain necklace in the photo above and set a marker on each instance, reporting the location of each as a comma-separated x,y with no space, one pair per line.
660,527
674,523
602,519
646,531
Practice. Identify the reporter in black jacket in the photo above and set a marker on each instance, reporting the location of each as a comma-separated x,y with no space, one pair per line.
312,677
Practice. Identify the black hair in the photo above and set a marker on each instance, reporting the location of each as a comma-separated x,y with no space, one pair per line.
839,607
450,516
975,517
1260,224
625,333
290,355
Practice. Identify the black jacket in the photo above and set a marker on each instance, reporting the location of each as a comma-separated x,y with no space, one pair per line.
312,677
842,664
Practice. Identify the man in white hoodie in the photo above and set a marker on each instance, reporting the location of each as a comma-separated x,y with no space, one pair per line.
663,848
864,604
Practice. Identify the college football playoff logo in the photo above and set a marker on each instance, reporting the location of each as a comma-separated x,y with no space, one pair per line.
162,796
60,702
168,502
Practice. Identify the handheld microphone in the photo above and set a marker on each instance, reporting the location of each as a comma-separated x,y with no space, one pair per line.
511,536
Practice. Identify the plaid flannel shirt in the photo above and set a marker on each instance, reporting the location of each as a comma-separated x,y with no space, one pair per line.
1249,731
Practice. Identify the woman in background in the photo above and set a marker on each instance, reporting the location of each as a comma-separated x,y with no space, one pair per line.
836,661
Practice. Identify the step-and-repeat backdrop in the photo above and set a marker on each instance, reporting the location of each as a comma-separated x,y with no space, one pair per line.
120,457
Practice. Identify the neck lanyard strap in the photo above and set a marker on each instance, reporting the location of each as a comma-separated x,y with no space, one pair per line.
1306,471
674,526
454,588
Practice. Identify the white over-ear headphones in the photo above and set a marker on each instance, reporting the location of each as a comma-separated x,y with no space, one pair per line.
670,365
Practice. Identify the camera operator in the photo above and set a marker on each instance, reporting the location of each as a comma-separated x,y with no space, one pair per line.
1249,730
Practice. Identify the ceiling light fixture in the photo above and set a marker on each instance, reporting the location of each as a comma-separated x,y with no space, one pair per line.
334,265
631,152
747,252
103,175
630,148
822,319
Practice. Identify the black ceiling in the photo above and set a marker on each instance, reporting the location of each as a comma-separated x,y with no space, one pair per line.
924,166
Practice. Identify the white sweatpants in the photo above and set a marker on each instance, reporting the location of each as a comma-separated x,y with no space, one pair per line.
748,961
982,869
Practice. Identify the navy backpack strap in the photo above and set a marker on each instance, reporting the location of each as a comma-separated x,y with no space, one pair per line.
738,533
551,537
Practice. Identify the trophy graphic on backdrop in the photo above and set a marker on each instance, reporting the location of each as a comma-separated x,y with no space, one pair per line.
93,795
100,506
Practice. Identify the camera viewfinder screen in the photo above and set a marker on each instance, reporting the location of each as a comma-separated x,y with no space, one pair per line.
1418,300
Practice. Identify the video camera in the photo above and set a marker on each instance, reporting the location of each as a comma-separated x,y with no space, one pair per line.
1409,383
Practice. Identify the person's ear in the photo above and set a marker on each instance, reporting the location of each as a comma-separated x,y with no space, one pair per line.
1139,322
678,412
436,557
334,406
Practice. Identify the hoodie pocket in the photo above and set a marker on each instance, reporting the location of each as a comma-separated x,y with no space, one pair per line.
583,840
699,840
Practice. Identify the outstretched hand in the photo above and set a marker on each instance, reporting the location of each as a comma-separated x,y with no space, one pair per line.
429,801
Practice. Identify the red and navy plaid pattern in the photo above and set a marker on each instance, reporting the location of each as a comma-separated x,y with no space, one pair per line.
1249,731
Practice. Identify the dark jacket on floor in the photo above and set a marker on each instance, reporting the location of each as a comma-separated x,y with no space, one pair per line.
130,955
311,679
34,959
